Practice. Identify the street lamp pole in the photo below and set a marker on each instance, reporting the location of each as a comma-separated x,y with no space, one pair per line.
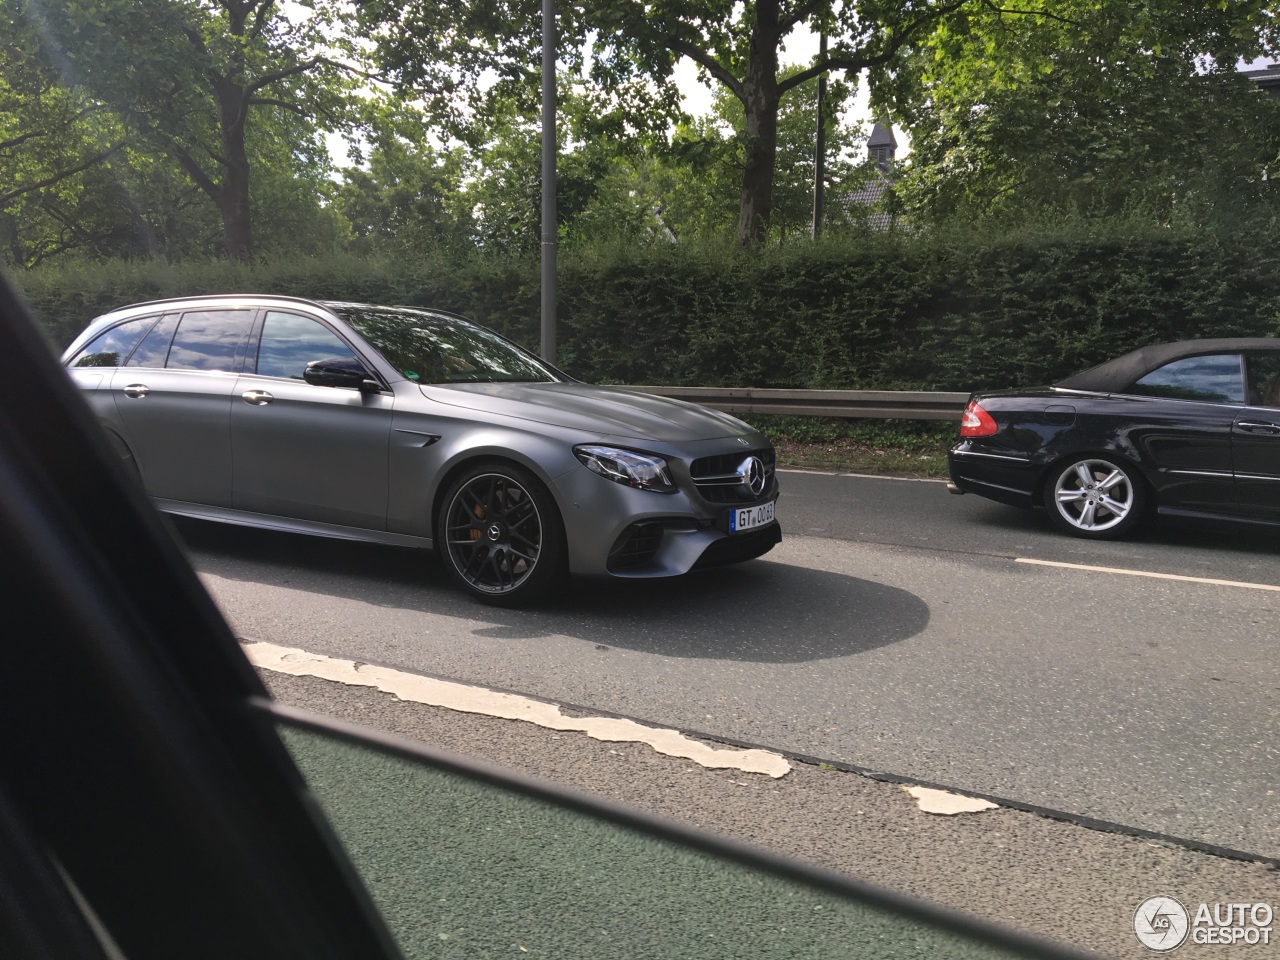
820,145
549,181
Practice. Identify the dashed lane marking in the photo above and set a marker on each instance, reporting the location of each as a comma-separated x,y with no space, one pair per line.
1147,573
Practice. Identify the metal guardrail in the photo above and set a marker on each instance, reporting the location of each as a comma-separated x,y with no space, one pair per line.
871,404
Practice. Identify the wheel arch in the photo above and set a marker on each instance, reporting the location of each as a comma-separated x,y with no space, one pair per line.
514,563
470,458
120,446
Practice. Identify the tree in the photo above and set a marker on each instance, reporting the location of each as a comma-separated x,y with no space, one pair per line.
1102,108
444,50
407,196
51,144
697,179
593,194
612,185
189,77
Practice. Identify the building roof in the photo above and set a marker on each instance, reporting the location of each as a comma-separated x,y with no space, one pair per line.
1267,78
882,136
863,203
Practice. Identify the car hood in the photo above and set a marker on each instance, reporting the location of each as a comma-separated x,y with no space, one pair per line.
600,410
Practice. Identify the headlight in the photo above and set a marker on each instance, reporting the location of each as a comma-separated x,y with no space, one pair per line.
640,470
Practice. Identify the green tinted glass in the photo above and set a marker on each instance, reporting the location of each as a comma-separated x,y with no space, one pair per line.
463,868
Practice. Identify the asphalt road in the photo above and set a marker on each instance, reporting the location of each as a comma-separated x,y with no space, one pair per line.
1072,884
461,869
894,629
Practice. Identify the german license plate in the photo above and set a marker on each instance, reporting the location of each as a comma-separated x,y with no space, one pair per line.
748,518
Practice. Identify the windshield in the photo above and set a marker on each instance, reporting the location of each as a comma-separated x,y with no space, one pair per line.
434,348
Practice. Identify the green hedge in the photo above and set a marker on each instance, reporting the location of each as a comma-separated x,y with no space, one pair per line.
955,312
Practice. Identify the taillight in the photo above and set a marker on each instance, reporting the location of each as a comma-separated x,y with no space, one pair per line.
976,422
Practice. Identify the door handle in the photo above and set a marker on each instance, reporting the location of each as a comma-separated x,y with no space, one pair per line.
137,390
259,398
1258,426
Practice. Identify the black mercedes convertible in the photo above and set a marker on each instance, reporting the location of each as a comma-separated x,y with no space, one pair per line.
1189,428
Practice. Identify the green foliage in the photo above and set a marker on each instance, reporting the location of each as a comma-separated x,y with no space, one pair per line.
54,143
1092,107
503,294
909,435
407,196
697,180
953,312
219,93
449,54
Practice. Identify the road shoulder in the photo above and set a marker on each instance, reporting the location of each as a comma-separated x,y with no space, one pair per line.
1057,879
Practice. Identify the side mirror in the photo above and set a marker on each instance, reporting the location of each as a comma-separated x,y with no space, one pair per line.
345,372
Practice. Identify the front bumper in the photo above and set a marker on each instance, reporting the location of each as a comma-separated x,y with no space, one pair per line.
666,548
618,531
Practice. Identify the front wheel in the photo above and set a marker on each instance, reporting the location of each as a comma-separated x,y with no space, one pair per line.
500,535
1095,498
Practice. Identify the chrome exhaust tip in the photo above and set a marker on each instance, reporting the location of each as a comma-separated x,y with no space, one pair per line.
952,488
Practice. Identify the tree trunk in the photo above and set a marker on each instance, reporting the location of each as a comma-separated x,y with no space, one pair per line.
233,116
144,230
233,200
760,103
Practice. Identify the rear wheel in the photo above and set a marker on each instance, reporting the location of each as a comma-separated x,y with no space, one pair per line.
500,535
1095,498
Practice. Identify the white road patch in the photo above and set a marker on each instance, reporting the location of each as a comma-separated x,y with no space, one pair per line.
1146,573
948,804
508,706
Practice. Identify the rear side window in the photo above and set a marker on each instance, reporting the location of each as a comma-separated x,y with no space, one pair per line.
290,342
209,340
154,347
1264,378
1212,379
112,347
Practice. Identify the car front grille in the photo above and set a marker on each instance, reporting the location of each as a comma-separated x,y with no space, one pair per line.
717,477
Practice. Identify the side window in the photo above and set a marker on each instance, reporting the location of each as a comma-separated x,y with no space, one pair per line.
154,347
1263,373
112,347
1214,379
290,342
208,340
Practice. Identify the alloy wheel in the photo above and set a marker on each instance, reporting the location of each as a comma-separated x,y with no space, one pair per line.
1094,496
493,534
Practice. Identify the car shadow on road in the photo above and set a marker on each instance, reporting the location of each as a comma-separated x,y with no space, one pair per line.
762,611
1222,536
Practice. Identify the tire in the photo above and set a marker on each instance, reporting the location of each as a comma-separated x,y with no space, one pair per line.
500,536
1095,497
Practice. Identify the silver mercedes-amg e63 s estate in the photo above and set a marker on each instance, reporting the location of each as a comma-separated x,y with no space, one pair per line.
419,428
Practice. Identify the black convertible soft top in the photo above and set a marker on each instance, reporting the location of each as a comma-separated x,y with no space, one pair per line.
1121,372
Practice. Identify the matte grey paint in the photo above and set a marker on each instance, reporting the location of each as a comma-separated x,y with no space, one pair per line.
372,466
